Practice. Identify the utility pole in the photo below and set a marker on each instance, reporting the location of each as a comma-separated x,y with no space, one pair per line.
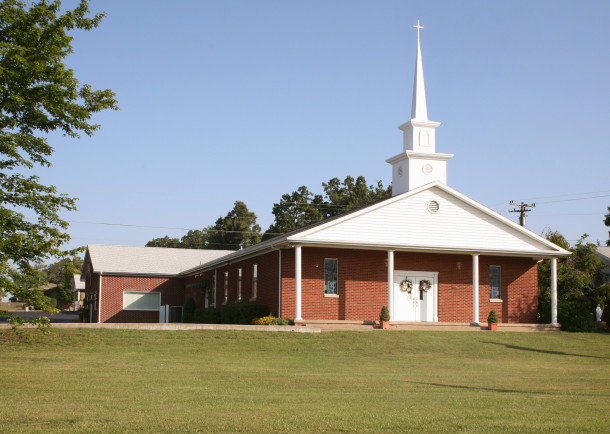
522,210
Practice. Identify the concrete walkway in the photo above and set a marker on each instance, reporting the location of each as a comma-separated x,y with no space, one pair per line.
66,320
328,326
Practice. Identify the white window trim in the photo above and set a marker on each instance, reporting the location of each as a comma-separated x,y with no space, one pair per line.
142,292
327,295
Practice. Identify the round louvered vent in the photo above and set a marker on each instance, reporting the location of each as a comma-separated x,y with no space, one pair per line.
433,206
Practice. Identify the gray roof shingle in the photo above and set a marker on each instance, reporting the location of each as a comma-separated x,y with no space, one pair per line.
148,260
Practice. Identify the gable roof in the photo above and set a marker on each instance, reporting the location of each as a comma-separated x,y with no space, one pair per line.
604,254
403,222
160,261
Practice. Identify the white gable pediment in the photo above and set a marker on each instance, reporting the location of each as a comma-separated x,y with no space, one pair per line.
409,221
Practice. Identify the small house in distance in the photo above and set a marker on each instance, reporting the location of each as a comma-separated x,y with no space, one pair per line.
430,253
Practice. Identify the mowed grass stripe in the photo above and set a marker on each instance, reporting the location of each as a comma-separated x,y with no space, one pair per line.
128,380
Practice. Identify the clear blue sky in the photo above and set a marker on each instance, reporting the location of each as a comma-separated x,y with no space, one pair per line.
247,100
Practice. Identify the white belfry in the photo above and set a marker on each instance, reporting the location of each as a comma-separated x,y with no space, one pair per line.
419,163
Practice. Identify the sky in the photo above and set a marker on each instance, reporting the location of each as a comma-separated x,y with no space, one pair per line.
247,100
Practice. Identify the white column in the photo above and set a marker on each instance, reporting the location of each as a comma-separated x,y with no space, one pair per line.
391,283
475,289
297,283
554,291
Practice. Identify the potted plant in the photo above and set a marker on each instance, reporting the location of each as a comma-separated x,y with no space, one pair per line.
384,318
492,321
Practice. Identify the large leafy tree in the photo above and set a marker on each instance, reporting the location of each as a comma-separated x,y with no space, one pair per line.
579,284
164,242
296,210
352,193
238,229
302,207
39,95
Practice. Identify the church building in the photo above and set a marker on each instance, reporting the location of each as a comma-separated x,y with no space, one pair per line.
429,253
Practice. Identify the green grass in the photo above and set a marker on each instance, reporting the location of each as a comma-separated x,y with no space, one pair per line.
125,380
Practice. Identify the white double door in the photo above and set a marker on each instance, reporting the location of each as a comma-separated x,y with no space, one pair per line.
417,304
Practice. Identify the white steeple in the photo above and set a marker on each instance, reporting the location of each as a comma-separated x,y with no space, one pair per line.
419,108
419,163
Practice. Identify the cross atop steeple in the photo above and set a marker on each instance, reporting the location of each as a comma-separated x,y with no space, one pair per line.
418,28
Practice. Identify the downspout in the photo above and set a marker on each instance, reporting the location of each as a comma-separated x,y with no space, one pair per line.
99,302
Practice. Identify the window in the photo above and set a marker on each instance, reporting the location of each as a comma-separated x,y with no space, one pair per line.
226,288
494,281
254,281
239,284
135,300
330,276
214,289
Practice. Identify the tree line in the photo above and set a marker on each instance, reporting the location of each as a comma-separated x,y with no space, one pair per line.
239,229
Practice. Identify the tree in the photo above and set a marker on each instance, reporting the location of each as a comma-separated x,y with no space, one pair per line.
39,95
351,194
164,242
607,223
238,229
294,211
62,274
302,208
579,284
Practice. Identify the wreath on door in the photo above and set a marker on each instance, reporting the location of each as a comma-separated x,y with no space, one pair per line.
425,285
406,285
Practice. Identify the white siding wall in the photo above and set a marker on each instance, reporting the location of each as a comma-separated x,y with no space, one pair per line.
408,222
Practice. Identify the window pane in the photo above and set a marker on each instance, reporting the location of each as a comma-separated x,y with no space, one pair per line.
330,276
141,300
254,280
494,281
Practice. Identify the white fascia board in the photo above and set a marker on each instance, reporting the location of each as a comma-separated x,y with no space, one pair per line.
428,249
558,251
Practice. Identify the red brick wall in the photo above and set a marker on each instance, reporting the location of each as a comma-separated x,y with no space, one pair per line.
363,285
171,289
268,279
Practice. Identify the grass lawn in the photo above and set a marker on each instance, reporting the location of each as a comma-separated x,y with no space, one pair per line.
127,380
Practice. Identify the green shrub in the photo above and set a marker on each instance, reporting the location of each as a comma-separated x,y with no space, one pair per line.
189,311
238,313
576,316
271,320
573,315
385,314
207,316
281,321
492,317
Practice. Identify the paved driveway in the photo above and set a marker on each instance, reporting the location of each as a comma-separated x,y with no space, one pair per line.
62,317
